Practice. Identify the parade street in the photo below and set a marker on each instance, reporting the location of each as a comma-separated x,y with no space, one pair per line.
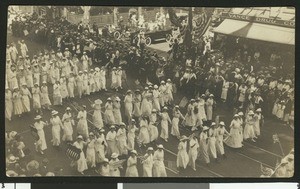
243,162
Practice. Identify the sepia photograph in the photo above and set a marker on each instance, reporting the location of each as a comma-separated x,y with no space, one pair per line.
128,91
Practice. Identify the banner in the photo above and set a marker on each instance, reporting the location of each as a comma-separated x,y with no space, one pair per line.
202,21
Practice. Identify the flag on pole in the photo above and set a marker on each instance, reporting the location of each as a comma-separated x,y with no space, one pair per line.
202,21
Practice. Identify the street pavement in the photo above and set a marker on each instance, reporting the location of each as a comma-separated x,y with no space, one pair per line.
244,162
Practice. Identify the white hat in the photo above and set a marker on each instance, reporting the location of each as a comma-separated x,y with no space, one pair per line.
160,146
79,137
236,115
98,101
168,80
222,123
118,99
240,113
114,155
154,110
12,159
68,108
211,95
122,124
155,87
105,160
109,99
112,127
205,128
91,134
149,149
163,81
38,117
213,123
133,152
251,112
258,110
54,112
176,106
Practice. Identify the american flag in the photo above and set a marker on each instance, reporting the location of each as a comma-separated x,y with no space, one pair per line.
202,21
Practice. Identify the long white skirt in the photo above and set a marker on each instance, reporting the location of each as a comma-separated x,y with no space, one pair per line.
175,128
144,136
164,133
56,135
182,159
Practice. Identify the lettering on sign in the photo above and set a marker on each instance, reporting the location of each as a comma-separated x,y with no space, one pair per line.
286,23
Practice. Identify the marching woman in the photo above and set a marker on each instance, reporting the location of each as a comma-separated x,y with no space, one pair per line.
92,84
56,128
169,92
71,85
85,61
131,135
8,104
26,95
114,171
81,162
190,118
175,121
17,101
234,139
36,97
209,107
79,83
203,145
45,101
39,125
146,105
114,78
128,104
108,114
241,120
105,168
131,170
67,127
144,136
193,151
153,131
63,87
97,79
29,77
156,95
221,131
224,90
97,115
122,139
119,78
165,119
148,163
57,98
159,169
85,83
182,155
90,151
103,78
137,104
100,146
249,126
82,126
201,108
111,139
117,111
257,122
162,91
212,132
12,78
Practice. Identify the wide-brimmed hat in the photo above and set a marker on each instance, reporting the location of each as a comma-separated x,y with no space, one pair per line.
236,115
222,123
114,155
149,149
38,117
118,99
213,124
133,152
160,146
258,110
112,127
79,137
98,101
105,160
54,112
240,113
155,87
68,109
251,112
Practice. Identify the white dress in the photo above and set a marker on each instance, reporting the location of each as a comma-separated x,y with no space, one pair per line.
117,113
131,137
201,109
209,109
25,99
234,139
100,148
203,147
159,169
190,118
56,129
182,155
40,131
36,97
165,119
17,102
225,90
82,126
175,122
91,153
45,96
193,152
81,162
114,172
212,151
111,143
148,165
128,106
131,170
67,127
109,115
8,105
97,116
249,128
122,141
144,136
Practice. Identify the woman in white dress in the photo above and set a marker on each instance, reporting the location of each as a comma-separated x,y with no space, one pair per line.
114,171
153,131
201,108
258,117
117,111
39,125
108,114
182,155
92,84
203,145
81,162
159,169
156,94
177,115
57,98
100,146
137,99
212,133
56,128
36,97
224,90
165,121
114,78
169,91
234,139
63,87
85,83
209,107
144,136
128,104
71,85
242,96
249,126
122,140
146,106
131,170
131,135
111,139
68,124
97,115
193,151
79,84
190,118
82,126
45,101
17,102
90,151
26,96
105,168
148,163
221,131
29,77
8,104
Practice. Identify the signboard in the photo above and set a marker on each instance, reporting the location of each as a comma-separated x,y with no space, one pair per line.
272,21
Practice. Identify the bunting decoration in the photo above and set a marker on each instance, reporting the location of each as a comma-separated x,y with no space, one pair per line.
202,20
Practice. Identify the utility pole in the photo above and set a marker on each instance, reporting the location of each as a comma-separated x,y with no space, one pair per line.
115,15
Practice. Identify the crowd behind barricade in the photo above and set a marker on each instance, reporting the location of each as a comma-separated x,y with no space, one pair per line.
81,61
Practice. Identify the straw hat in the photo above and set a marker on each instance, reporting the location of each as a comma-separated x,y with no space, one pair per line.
150,149
251,112
68,109
222,123
54,112
160,146
98,101
79,137
38,117
133,152
114,155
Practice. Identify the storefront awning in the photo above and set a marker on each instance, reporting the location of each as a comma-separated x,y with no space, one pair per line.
257,31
